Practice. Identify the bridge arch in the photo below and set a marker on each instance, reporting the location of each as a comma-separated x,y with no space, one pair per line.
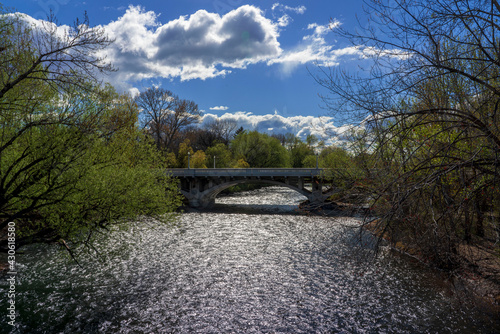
201,186
211,194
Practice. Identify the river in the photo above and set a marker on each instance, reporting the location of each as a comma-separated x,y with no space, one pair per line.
250,265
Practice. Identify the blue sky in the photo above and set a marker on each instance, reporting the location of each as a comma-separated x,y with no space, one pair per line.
248,60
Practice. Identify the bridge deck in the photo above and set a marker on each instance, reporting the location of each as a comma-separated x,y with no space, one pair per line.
247,172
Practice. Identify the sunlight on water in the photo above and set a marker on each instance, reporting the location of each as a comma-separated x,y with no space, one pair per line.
225,271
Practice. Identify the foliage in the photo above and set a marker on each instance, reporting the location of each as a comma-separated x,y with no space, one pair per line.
198,159
299,151
223,130
72,160
188,158
309,161
222,156
170,160
260,150
185,151
241,163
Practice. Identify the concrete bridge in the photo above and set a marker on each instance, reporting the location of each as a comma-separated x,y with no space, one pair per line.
201,185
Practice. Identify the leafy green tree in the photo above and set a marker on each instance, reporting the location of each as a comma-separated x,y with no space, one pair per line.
187,157
299,153
241,163
170,160
312,141
185,153
309,161
222,156
72,160
297,148
260,150
199,159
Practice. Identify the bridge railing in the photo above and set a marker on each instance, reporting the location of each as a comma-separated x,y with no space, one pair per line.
247,172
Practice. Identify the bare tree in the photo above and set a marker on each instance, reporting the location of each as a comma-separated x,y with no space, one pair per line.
222,129
185,114
164,115
59,58
429,103
155,105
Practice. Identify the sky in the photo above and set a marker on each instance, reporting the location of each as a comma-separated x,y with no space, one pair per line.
246,60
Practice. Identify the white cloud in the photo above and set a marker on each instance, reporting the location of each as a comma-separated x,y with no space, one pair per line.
219,108
302,126
199,46
207,45
42,25
284,20
315,49
281,7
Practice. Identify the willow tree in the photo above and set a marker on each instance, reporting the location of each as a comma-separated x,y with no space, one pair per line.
259,150
72,159
429,104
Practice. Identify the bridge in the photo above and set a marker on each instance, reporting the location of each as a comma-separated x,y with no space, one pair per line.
201,185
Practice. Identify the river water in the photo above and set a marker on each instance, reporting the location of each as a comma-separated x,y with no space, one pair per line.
250,265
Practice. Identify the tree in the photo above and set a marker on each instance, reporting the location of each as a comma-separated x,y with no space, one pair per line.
34,63
198,159
429,106
71,158
223,130
185,151
297,149
200,138
222,156
43,53
237,132
259,150
241,163
164,115
298,152
155,104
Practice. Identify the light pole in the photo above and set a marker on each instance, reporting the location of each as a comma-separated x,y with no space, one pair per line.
189,160
317,162
214,161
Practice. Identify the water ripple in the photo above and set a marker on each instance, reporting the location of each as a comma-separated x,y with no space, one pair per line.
227,272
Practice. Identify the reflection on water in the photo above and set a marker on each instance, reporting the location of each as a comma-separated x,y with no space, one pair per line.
267,270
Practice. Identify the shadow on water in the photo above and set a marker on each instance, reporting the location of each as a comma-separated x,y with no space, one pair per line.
252,209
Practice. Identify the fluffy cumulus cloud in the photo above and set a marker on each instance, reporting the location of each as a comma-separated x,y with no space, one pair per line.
61,31
206,45
200,46
284,20
301,126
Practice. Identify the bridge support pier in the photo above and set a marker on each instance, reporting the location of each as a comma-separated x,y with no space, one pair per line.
316,196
